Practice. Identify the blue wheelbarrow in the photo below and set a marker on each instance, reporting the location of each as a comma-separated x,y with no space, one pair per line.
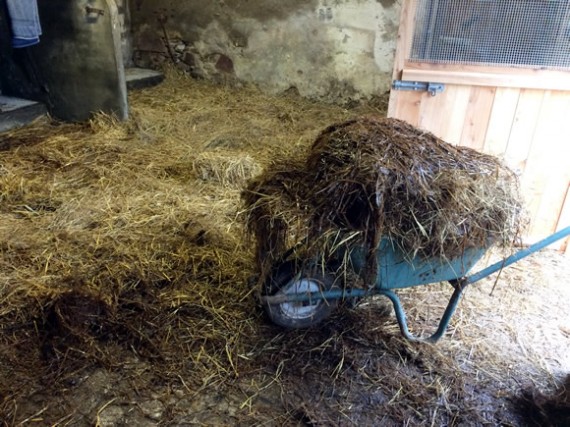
295,296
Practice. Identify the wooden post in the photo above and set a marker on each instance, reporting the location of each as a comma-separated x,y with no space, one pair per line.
403,45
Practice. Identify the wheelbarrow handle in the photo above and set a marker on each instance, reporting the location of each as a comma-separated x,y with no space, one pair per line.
565,232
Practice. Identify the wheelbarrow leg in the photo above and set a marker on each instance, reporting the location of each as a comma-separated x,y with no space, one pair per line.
459,286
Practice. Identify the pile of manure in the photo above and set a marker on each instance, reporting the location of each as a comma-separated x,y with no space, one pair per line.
372,177
540,409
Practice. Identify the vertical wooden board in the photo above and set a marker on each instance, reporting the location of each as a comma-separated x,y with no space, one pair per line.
437,112
393,104
501,120
408,105
442,114
405,36
549,138
546,217
477,117
454,114
524,123
434,110
546,173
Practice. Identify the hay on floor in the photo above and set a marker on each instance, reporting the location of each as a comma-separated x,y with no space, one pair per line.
228,169
122,239
118,255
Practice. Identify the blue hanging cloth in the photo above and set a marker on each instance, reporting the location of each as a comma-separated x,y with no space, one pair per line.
26,28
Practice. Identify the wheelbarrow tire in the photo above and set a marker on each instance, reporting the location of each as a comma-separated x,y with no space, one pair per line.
298,314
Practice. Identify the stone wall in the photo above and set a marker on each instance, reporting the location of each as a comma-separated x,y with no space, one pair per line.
336,50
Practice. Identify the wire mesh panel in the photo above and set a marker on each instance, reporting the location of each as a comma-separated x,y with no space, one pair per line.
518,33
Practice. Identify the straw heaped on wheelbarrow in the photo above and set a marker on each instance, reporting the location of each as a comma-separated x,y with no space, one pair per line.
383,177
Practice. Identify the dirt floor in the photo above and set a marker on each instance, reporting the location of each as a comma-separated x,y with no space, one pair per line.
127,289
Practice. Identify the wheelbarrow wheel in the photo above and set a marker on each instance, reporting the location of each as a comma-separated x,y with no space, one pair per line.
286,280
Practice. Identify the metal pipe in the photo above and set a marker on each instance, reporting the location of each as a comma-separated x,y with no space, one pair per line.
315,296
518,256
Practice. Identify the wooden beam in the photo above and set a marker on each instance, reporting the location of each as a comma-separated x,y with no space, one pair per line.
403,46
487,76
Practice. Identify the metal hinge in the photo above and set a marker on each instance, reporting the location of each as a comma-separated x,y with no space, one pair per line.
431,88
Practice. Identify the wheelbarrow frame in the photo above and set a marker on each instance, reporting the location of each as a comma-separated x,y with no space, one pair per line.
397,272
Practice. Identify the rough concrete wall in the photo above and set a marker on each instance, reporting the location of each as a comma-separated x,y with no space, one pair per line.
329,49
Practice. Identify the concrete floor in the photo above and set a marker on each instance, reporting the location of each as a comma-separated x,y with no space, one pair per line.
17,112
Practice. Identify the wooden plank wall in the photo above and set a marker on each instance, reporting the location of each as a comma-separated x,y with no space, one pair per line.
529,128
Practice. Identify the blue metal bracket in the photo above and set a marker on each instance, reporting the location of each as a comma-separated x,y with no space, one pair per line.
431,88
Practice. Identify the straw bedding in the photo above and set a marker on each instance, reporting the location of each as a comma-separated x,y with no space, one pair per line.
125,278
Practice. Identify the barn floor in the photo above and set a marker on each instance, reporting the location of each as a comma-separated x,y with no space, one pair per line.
126,291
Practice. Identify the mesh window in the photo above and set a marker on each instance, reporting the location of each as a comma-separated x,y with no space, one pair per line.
529,33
